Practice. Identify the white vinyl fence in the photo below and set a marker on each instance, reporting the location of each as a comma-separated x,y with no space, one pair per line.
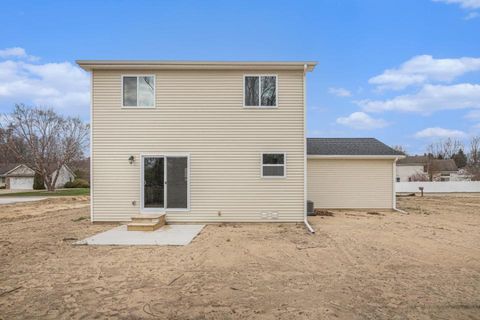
446,186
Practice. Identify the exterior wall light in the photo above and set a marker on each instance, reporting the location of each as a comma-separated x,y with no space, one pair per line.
131,159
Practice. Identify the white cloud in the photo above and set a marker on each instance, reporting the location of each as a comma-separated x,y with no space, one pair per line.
340,92
465,4
16,52
423,69
362,121
62,86
473,115
13,52
429,99
437,132
472,15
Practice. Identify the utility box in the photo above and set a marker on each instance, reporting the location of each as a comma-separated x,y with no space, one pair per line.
310,208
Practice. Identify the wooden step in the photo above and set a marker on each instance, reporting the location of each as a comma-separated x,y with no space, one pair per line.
147,217
146,222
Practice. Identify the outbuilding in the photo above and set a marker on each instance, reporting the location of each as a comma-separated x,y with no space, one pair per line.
351,173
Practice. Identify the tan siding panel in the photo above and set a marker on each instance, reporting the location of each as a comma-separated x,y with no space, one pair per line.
200,113
350,183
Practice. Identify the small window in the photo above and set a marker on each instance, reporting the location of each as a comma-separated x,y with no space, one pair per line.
273,165
138,91
260,91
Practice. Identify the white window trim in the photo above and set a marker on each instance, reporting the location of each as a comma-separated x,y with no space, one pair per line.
164,209
274,165
260,92
154,90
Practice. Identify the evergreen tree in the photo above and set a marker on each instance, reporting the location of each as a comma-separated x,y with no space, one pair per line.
460,159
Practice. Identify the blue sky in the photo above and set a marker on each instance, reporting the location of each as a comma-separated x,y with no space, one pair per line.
406,72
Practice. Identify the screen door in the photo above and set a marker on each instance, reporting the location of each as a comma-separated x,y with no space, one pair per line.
177,182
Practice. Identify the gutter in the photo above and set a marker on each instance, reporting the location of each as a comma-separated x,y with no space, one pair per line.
305,216
359,157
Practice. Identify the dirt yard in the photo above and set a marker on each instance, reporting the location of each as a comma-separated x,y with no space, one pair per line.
359,265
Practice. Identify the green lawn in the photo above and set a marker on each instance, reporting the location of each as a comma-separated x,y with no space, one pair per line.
45,193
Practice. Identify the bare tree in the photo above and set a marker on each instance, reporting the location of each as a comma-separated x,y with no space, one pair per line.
475,150
44,140
400,148
445,149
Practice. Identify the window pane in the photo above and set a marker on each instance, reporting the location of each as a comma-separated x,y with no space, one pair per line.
154,182
269,91
273,158
177,188
130,91
273,171
146,91
251,91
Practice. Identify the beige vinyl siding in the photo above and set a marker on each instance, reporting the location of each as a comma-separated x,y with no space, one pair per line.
200,113
340,183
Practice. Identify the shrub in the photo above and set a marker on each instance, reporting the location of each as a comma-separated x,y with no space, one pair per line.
77,183
82,174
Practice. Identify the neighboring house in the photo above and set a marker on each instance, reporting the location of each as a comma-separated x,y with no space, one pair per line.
220,142
443,170
66,175
413,167
16,176
461,175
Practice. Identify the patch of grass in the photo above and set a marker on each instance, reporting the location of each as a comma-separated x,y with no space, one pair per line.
44,193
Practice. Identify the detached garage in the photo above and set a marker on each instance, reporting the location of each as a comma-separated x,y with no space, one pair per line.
16,176
350,173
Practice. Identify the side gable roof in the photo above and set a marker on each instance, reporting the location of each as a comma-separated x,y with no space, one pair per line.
16,170
6,167
445,165
349,147
413,160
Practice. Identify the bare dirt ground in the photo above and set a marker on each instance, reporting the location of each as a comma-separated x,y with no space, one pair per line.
359,265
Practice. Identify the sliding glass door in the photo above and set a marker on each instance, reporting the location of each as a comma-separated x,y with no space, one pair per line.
165,182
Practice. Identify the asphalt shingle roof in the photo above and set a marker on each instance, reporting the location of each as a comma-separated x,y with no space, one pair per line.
444,165
349,146
5,167
413,160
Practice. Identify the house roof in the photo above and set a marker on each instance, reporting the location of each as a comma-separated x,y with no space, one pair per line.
9,170
350,147
413,160
445,165
90,65
6,167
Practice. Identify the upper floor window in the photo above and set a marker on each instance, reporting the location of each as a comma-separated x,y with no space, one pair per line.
138,91
260,91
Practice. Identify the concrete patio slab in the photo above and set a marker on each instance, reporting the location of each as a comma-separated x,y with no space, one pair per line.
10,200
169,235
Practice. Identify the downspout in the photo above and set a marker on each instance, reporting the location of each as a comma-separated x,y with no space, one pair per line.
305,220
394,186
92,184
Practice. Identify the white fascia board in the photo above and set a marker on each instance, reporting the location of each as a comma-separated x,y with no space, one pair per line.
354,157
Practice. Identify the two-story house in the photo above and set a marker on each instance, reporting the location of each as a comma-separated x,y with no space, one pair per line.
216,142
